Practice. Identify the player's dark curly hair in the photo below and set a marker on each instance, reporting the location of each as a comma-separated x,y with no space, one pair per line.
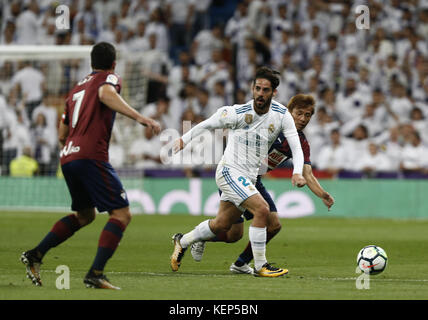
103,55
269,74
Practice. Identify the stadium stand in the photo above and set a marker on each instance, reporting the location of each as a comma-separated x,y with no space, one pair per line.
371,85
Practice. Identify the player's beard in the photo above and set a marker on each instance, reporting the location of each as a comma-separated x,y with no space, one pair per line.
263,108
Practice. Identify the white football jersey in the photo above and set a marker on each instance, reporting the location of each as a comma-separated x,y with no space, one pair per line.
251,135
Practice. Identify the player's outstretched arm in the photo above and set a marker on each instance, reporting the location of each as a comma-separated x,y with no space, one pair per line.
109,96
315,186
223,118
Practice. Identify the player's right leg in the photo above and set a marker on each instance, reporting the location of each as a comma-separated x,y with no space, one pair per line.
241,265
257,234
234,234
227,214
60,232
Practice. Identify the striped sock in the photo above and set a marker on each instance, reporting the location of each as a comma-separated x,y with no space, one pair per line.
107,244
61,231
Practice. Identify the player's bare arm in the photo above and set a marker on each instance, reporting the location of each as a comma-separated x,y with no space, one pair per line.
109,96
315,186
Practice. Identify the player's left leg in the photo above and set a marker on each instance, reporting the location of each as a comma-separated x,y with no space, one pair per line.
108,194
227,214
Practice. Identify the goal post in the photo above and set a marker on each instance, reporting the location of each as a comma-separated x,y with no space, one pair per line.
60,68
54,71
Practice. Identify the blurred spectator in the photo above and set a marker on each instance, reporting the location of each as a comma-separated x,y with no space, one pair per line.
156,66
92,19
418,121
144,152
161,111
44,143
350,102
30,83
330,53
106,8
373,160
9,35
24,165
216,70
181,73
140,42
157,24
414,157
290,79
368,119
108,33
332,157
15,136
126,20
205,42
258,17
6,73
355,146
280,23
318,131
180,18
206,107
400,104
142,9
50,113
201,16
28,24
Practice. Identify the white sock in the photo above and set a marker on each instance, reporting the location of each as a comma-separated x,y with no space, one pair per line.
258,245
201,232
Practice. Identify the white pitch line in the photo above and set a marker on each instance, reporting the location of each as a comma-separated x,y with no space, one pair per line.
212,273
371,279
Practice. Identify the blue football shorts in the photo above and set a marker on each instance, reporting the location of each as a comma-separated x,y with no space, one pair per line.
94,183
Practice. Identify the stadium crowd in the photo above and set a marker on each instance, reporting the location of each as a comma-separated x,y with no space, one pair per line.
371,85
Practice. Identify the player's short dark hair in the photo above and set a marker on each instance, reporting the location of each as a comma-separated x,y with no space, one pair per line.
268,74
103,55
300,101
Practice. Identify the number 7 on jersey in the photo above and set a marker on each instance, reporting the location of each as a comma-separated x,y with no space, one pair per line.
78,97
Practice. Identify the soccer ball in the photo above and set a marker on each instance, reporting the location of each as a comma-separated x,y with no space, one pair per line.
372,259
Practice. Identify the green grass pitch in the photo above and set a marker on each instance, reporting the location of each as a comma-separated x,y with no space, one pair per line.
320,254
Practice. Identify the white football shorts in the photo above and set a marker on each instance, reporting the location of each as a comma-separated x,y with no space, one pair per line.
235,186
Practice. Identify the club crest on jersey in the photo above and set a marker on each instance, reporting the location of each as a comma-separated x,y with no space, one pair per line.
224,113
248,118
271,128
111,78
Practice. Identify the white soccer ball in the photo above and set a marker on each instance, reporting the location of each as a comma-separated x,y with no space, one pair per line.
372,259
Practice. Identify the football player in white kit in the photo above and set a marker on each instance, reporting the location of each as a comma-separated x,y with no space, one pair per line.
253,127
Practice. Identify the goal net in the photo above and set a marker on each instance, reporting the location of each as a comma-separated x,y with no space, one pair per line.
34,81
